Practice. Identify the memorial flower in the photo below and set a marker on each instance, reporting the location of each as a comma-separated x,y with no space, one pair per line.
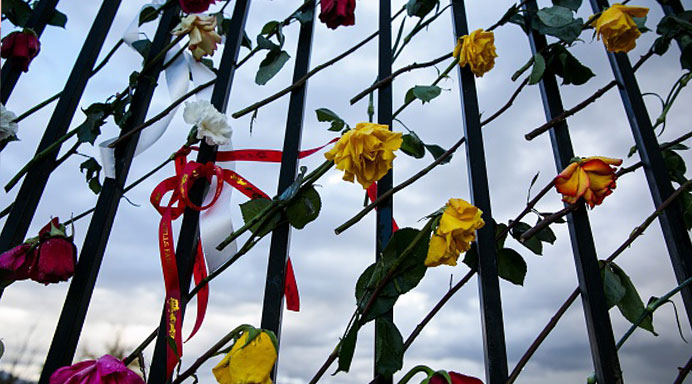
476,50
338,12
592,178
106,369
248,362
202,33
195,6
21,46
454,235
616,27
212,125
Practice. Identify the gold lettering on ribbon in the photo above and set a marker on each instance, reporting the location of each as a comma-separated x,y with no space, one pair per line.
173,307
165,238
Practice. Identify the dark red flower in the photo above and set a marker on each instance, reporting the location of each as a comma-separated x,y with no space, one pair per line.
457,378
55,260
195,6
15,263
338,12
21,47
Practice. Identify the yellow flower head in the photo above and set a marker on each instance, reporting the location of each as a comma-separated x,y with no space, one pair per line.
592,178
455,233
477,50
616,27
247,364
202,31
365,152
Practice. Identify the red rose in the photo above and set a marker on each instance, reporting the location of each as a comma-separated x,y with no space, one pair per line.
15,263
195,6
21,47
457,378
337,12
55,260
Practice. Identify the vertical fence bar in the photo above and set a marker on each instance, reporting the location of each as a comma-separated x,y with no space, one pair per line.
189,232
272,308
601,339
40,16
74,311
676,237
384,116
24,207
489,285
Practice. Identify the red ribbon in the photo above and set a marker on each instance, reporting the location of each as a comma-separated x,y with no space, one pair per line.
372,195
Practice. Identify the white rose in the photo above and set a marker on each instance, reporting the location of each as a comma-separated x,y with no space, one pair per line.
8,128
212,125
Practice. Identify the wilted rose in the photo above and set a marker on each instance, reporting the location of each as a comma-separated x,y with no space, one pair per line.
16,262
592,178
202,33
21,46
338,12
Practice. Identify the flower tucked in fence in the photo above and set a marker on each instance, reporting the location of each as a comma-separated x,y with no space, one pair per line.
592,178
365,152
248,362
107,369
8,128
338,12
21,46
457,378
203,36
48,258
477,50
617,28
212,125
455,233
195,6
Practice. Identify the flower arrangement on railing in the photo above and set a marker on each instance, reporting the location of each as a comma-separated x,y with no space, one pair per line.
365,154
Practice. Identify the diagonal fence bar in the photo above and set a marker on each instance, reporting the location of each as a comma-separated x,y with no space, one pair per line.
11,70
272,308
489,286
674,233
31,190
74,311
601,340
189,232
384,116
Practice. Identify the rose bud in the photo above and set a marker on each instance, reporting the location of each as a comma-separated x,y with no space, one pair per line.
457,378
107,369
15,263
195,6
56,255
338,12
21,47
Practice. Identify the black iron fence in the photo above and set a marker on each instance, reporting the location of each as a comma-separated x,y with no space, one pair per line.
601,339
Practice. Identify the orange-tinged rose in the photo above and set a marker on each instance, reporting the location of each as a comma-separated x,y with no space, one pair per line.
365,152
477,50
455,233
202,33
617,28
592,178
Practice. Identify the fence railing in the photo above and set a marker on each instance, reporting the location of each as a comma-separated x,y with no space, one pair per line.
600,332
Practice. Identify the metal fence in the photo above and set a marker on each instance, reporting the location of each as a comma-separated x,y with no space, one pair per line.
601,339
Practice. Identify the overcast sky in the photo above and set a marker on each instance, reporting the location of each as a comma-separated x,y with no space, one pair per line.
129,291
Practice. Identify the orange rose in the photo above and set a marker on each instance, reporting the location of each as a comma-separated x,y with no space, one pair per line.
592,178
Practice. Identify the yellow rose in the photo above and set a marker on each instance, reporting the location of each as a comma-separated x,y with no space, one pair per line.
616,27
477,50
455,233
247,364
592,178
203,36
365,152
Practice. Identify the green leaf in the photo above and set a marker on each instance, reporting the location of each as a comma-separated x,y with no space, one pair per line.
58,19
324,114
421,8
412,145
271,65
389,347
264,43
675,165
631,305
511,266
640,22
93,169
499,228
537,70
546,235
143,47
555,16
247,43
208,63
2,349
562,63
567,33
17,11
633,150
424,93
347,348
304,16
90,129
148,14
366,285
412,268
532,243
471,257
520,21
571,4
612,286
686,54
436,151
252,208
269,27
686,203
304,209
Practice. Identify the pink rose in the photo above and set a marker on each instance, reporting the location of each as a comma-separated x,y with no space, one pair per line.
106,370
15,263
21,47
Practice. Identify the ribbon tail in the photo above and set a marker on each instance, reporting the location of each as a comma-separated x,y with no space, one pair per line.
172,305
291,289
200,273
372,195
